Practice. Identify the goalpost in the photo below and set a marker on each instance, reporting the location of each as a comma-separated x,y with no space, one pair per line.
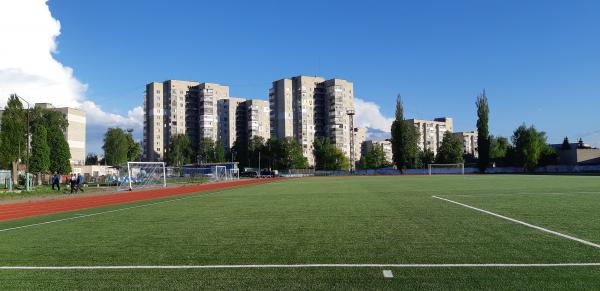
143,175
458,168
220,173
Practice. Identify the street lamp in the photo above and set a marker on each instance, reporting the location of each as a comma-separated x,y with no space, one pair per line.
28,135
351,113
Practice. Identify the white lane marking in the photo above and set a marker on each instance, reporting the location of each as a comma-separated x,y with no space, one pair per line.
298,266
585,242
388,274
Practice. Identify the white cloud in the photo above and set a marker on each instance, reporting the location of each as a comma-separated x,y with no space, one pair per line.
368,114
28,67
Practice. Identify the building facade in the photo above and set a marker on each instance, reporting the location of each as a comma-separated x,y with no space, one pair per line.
386,145
431,132
199,110
469,141
75,134
360,136
307,108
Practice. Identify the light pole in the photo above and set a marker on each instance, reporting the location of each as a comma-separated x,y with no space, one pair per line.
28,136
350,113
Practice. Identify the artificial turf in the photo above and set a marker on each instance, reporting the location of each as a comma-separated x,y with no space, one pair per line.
345,220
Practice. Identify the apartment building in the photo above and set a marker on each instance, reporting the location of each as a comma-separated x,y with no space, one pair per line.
386,145
431,132
258,118
171,108
360,136
469,141
306,108
199,110
231,113
75,132
241,119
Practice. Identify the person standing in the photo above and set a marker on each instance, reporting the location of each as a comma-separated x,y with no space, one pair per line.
79,182
56,181
73,182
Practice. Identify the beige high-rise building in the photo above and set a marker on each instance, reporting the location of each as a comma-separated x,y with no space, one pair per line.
306,108
168,107
469,141
230,111
75,133
431,132
208,96
360,135
179,107
257,119
386,146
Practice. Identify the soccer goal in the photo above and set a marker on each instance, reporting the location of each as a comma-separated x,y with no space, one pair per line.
220,173
140,175
458,168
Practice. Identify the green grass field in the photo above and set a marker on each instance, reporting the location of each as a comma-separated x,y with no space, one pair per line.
346,220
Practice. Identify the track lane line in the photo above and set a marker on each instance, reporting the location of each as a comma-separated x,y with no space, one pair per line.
585,242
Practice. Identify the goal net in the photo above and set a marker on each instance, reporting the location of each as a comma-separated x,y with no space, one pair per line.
220,173
138,175
458,168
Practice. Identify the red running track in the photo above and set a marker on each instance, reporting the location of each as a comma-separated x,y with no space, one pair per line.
37,208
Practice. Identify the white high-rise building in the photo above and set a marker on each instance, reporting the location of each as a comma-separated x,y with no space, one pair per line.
431,132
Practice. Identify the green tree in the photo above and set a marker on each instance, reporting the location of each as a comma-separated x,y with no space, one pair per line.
289,155
404,140
374,158
91,159
219,151
13,135
329,157
499,147
255,146
529,146
133,148
116,147
483,132
180,150
60,154
450,151
239,153
206,150
427,157
40,151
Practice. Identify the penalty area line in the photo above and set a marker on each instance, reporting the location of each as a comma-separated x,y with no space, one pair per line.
301,266
585,242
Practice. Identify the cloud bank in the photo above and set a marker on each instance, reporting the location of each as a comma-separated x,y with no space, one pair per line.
368,114
28,66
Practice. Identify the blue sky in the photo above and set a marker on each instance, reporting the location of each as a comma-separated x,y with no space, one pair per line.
539,61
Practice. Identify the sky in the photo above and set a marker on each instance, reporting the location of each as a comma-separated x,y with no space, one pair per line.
539,61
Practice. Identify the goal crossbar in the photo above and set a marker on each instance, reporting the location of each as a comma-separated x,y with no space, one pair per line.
459,166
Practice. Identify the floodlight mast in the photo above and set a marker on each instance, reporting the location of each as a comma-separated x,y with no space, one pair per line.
351,113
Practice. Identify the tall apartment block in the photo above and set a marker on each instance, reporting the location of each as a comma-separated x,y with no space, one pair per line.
179,107
360,135
306,108
241,119
469,141
431,132
198,110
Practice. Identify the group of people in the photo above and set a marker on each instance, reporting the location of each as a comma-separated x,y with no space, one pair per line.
75,181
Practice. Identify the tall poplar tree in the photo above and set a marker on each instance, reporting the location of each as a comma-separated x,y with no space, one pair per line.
483,132
404,140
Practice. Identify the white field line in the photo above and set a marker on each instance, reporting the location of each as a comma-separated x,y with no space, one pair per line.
585,242
79,215
301,266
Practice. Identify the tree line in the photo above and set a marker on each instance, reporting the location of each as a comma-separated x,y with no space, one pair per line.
49,149
528,150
